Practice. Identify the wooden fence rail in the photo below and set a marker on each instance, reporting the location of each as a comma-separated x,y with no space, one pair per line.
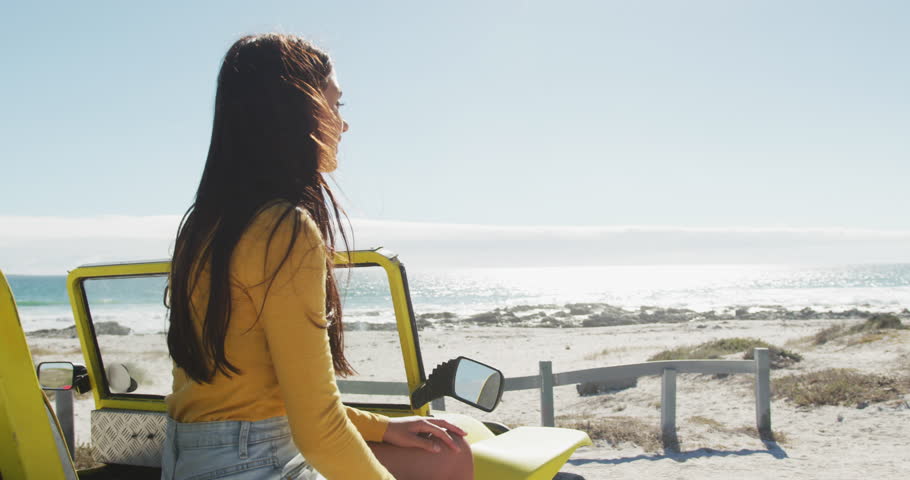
546,380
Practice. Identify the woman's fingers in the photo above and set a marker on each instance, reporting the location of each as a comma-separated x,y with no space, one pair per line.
429,434
439,433
448,426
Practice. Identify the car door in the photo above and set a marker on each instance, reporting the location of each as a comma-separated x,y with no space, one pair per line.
121,321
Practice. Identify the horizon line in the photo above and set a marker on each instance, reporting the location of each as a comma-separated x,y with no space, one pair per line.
605,228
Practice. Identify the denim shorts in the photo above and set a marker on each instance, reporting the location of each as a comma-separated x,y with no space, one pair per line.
237,450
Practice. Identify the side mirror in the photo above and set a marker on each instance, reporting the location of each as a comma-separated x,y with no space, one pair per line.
63,376
56,375
463,379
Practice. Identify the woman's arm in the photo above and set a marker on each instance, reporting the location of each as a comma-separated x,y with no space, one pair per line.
371,425
293,317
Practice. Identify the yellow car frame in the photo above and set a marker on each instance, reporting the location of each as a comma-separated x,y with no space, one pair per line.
30,434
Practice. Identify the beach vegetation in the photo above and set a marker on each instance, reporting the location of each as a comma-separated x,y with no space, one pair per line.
708,422
597,355
869,338
41,351
775,436
85,457
749,430
904,380
780,357
838,387
873,329
615,430
825,335
879,322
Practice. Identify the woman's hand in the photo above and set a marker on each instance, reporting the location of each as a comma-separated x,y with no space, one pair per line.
422,432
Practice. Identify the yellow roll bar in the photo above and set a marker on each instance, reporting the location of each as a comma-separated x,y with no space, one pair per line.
387,260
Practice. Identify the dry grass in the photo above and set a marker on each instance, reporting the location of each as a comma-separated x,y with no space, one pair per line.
45,351
838,386
619,429
870,338
597,355
827,334
55,354
718,348
751,431
616,430
874,329
708,422
880,322
85,457
903,382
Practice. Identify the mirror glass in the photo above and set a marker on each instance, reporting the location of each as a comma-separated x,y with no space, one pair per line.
56,375
477,383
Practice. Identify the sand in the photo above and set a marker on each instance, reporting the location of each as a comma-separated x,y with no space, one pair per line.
713,414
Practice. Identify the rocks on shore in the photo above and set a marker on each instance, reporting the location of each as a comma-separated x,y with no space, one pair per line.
605,315
369,326
101,328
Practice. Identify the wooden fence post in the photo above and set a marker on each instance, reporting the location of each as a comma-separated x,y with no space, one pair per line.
546,394
668,405
762,391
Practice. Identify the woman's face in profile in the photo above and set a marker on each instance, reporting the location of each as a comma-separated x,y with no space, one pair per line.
332,94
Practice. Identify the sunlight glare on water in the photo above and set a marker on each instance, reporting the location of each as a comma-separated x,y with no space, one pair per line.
697,287
466,292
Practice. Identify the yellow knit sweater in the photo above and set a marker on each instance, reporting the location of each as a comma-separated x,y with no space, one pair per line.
284,357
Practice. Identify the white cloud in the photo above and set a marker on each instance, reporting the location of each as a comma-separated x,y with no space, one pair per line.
105,226
455,245
51,245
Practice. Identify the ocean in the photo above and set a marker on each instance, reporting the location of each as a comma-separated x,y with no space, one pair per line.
569,296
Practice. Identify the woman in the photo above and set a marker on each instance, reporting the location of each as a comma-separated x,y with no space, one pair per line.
255,318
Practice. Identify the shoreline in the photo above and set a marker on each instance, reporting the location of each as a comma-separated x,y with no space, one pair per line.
713,416
572,315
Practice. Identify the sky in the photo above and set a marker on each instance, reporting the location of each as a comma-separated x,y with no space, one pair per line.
663,131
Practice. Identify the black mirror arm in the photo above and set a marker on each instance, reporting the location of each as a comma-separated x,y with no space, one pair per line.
81,381
438,384
82,384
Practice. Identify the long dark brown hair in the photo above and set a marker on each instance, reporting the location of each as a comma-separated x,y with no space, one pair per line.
272,134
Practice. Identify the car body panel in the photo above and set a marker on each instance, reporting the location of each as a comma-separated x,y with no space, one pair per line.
26,435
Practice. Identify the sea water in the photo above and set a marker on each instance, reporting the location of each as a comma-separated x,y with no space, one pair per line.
463,293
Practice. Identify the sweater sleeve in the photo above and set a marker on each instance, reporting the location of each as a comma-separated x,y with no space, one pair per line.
293,317
370,425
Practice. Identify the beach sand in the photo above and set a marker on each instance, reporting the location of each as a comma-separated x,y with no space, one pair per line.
714,415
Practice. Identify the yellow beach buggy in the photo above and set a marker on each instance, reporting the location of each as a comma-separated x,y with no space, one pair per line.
128,418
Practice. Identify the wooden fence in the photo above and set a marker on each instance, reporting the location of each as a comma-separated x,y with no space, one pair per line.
546,380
